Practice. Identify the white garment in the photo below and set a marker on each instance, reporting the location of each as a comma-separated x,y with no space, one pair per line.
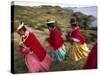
76,40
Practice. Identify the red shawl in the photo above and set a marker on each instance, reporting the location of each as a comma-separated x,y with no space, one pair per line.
92,59
32,43
75,33
55,39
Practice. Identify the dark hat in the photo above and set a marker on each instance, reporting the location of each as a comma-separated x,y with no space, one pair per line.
73,21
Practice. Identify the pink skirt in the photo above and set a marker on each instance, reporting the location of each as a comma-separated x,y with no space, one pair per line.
34,65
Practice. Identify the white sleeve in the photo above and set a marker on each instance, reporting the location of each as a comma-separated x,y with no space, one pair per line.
76,40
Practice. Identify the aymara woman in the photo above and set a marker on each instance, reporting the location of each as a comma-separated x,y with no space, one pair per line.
36,58
56,42
78,48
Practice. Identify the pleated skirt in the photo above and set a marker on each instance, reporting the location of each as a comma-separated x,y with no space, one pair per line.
78,51
34,65
59,54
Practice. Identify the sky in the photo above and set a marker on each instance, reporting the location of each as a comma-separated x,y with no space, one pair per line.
30,3
87,10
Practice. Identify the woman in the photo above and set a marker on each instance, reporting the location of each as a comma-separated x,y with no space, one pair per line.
36,58
56,42
78,48
91,62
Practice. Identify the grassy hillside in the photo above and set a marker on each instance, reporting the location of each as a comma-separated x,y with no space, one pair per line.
36,17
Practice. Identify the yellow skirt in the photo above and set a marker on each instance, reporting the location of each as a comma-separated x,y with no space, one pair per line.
78,51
